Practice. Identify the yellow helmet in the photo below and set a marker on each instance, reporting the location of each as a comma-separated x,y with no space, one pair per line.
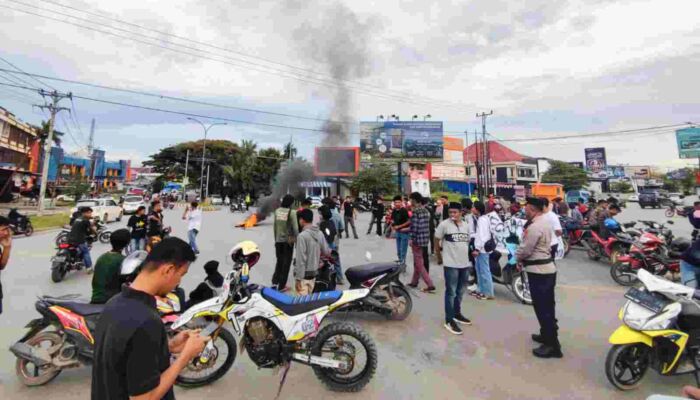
246,251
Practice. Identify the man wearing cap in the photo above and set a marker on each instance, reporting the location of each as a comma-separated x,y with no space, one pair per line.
452,237
535,255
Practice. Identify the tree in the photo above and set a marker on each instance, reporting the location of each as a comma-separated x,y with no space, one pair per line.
76,187
570,176
379,179
622,187
44,134
289,148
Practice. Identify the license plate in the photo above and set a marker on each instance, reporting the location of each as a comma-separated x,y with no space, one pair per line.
59,259
651,301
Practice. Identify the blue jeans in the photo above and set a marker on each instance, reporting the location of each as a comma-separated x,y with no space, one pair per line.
138,244
338,268
85,253
690,275
483,272
402,246
192,236
455,282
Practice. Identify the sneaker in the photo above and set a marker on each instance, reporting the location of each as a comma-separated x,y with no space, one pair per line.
546,351
461,319
472,288
453,328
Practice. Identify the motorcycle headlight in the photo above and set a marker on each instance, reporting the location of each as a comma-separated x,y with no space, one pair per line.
642,319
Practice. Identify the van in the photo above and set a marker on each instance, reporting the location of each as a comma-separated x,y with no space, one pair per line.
573,196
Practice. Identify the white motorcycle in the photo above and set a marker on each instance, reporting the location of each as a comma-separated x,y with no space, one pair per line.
276,328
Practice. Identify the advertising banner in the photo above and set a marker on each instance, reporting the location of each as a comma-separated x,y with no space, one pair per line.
616,171
596,163
688,141
638,172
453,150
448,172
401,140
336,161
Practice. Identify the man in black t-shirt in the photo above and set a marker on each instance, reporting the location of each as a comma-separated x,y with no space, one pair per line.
79,232
349,214
137,223
132,350
400,224
155,220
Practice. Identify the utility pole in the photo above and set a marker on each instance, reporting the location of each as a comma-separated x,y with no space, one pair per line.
204,152
53,109
476,165
186,179
208,180
91,149
487,155
466,152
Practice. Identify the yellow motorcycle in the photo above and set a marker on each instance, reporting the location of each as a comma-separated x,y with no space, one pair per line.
661,330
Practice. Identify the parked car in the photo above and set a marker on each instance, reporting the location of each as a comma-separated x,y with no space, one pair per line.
132,203
216,200
633,198
64,197
650,198
107,209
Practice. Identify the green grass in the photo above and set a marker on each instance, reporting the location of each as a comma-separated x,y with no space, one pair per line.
49,221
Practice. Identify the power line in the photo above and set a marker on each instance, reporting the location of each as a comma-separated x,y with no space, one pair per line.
70,133
588,135
18,69
175,98
287,74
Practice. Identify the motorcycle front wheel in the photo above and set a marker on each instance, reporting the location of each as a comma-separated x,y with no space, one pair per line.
521,288
29,230
105,236
669,213
32,375
622,274
401,304
197,374
626,365
347,342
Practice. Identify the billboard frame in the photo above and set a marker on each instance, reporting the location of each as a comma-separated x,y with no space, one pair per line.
356,150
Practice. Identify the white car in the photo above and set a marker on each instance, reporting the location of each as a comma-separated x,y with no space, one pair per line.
216,200
132,203
106,209
65,197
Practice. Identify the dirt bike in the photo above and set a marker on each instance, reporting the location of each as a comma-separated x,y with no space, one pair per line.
276,329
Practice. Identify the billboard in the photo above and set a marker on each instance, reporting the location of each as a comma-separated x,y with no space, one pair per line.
449,172
638,172
336,161
453,150
595,162
616,171
688,141
401,140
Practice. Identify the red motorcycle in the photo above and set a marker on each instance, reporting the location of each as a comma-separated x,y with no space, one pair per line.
650,253
611,248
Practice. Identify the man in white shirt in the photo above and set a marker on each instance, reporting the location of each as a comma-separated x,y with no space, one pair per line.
481,254
553,220
193,215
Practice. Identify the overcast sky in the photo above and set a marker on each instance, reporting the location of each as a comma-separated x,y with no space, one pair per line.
545,68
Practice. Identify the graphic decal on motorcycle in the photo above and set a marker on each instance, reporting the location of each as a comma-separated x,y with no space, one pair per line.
310,325
73,322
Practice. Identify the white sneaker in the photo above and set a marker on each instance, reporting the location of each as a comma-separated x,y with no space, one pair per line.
472,288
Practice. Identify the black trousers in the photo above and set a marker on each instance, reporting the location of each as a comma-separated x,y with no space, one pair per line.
426,258
375,220
542,291
432,241
284,253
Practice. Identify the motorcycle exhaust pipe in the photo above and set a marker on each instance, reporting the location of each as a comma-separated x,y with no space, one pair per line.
27,352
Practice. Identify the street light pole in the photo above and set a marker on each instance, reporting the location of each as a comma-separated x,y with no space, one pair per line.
204,151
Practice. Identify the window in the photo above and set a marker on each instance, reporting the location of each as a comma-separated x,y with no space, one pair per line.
525,173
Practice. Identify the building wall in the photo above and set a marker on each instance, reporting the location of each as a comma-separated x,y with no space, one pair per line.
105,173
17,140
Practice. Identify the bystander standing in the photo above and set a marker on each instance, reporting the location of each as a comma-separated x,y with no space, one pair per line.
420,236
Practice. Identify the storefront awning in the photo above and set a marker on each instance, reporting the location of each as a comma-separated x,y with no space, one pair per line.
315,184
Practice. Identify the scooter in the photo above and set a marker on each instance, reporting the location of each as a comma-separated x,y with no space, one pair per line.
508,274
20,224
660,328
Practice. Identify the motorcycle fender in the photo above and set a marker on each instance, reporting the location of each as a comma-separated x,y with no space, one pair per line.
34,326
208,308
349,296
626,335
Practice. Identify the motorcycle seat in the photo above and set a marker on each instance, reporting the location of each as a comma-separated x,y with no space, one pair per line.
77,307
361,273
295,305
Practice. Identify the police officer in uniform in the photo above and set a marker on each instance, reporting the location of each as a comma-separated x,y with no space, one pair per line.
535,255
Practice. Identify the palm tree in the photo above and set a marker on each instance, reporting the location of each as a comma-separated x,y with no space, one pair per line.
44,134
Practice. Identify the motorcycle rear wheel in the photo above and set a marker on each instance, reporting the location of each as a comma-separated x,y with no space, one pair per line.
224,340
57,274
622,274
61,238
401,305
105,236
31,375
627,360
331,340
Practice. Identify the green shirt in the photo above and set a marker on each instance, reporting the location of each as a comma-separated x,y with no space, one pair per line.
105,281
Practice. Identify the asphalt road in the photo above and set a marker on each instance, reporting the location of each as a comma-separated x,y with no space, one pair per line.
418,359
